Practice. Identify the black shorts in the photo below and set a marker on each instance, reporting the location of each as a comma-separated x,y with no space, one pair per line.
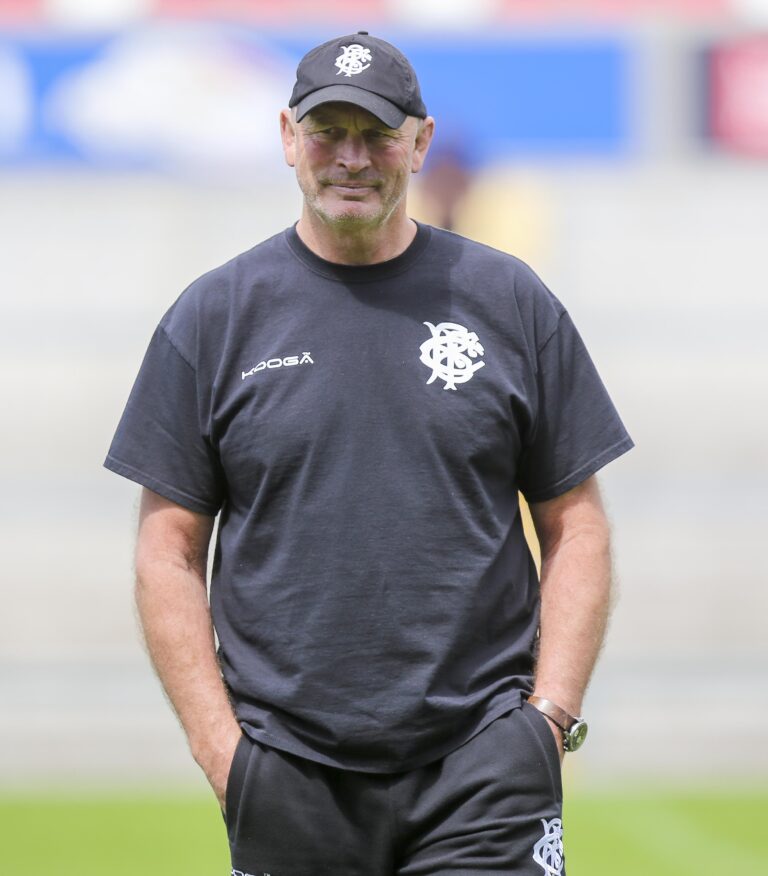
494,805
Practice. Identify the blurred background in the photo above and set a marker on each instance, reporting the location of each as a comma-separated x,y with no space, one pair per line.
619,147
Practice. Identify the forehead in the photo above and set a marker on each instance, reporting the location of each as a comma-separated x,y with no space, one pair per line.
339,113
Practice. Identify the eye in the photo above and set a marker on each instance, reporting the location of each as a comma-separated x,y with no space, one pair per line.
376,134
329,132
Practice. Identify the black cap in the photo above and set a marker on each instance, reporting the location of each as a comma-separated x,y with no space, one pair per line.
359,69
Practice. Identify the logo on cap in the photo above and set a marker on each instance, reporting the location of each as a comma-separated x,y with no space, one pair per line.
353,60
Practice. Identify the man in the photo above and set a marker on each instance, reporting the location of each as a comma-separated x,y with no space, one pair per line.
359,399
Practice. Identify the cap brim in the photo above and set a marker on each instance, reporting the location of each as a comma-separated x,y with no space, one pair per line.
387,112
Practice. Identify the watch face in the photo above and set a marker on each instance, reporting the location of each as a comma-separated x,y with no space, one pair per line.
576,735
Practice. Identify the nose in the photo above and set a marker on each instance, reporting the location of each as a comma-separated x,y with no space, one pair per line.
352,153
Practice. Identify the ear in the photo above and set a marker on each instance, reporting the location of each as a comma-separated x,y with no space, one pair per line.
288,136
423,139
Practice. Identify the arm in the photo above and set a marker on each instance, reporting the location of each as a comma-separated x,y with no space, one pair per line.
575,593
171,557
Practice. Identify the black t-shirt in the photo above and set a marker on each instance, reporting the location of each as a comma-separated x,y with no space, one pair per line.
363,433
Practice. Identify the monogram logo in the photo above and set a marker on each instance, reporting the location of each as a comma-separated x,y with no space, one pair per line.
548,851
353,60
449,353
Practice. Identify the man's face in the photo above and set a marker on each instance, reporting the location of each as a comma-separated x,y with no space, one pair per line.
352,169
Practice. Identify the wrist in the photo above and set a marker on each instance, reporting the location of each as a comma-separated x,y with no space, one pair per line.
207,747
572,728
566,700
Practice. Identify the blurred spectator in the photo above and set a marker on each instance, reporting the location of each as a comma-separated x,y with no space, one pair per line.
446,180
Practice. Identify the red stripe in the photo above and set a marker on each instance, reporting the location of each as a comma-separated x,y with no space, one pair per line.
359,12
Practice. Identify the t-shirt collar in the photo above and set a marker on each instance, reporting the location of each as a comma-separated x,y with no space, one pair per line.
359,273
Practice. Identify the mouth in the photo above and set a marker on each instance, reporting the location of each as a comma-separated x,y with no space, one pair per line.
349,187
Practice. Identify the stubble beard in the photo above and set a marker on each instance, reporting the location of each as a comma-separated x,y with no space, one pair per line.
351,220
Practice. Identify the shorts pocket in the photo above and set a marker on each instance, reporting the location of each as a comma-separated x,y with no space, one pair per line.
540,726
236,777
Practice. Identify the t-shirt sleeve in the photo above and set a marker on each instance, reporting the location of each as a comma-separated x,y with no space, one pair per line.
160,440
576,430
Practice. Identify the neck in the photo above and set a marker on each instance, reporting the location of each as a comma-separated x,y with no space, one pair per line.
361,246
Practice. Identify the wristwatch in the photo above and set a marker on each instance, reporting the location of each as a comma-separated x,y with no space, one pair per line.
574,729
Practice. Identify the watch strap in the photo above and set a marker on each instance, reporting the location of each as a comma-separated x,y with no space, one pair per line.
560,717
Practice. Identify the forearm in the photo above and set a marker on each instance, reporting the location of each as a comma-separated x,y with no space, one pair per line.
575,604
175,617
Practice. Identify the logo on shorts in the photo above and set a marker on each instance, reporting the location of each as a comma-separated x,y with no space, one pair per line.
306,359
449,353
240,873
548,851
353,60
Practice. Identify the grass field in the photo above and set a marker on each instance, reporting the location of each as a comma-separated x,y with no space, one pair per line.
644,834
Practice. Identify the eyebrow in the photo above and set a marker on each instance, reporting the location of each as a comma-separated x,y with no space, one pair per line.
318,118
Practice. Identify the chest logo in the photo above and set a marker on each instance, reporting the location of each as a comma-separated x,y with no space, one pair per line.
450,353
353,60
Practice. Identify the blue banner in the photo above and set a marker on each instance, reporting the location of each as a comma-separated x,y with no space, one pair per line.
195,96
